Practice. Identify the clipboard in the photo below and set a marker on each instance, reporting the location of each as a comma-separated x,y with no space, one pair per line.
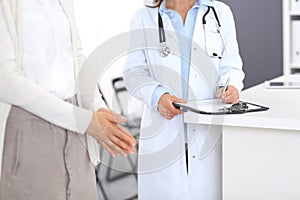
215,107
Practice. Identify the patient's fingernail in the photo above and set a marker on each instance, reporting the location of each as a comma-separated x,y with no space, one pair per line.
132,151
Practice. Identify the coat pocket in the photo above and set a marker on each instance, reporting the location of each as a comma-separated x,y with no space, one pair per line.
18,147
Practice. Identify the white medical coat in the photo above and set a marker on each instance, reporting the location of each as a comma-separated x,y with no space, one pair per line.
162,163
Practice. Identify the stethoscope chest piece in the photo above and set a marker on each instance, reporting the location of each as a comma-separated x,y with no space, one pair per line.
164,50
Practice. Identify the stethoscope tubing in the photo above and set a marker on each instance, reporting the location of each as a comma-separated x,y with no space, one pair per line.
164,50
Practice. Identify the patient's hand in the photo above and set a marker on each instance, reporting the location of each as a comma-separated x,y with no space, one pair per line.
106,128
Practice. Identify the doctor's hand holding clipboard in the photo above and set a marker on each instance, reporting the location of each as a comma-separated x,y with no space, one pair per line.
166,107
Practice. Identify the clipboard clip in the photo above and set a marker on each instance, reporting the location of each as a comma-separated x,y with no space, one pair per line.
238,108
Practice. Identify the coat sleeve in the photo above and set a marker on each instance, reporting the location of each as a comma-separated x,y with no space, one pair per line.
231,64
137,71
20,91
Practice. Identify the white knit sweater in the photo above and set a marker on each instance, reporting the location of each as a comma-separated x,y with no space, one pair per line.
16,89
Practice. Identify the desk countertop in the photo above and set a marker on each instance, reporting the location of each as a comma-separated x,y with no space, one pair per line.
284,112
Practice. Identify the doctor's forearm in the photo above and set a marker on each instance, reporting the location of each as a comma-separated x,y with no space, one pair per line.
158,92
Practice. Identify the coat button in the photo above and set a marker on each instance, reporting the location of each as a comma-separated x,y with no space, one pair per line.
194,156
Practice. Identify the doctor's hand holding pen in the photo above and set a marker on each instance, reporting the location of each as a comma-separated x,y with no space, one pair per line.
228,94
106,128
166,107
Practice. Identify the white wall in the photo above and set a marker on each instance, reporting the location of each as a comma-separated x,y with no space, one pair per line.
98,21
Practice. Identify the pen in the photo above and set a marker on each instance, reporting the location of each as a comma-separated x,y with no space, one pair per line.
225,88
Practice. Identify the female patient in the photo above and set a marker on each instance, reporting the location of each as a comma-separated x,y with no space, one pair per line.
46,153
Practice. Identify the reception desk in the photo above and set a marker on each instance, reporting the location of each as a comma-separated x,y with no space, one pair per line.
261,151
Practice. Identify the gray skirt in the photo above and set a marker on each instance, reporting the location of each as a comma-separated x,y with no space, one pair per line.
42,161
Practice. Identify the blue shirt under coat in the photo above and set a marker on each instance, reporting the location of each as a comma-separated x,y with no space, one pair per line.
184,32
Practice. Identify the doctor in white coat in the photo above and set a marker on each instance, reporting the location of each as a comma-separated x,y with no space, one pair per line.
198,39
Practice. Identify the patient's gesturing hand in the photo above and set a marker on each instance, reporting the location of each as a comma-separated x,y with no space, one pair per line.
106,128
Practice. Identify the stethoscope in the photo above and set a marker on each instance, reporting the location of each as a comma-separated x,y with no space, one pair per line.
164,50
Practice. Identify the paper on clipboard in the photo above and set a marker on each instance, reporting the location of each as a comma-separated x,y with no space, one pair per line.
212,105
